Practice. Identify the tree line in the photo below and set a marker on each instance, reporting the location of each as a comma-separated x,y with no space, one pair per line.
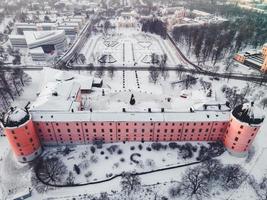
11,85
154,26
216,40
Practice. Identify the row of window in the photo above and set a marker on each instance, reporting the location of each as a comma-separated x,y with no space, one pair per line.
143,124
142,130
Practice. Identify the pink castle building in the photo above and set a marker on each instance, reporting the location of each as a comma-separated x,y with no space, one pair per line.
63,114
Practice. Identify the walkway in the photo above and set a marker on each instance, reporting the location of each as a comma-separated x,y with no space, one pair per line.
115,176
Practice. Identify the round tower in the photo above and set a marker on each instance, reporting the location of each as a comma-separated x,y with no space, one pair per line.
242,129
20,132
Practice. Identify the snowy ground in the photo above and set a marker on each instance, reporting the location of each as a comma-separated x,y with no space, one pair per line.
16,177
106,162
127,48
235,67
147,94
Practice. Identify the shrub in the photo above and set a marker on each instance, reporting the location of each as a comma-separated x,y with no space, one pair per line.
92,148
140,147
148,149
120,152
173,145
76,169
213,150
132,148
88,174
84,164
150,162
99,143
122,159
156,146
109,175
66,151
83,155
185,151
94,159
102,152
112,149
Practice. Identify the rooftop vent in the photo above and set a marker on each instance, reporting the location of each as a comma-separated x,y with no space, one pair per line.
55,94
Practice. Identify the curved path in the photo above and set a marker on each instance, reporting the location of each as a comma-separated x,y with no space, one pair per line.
181,55
115,176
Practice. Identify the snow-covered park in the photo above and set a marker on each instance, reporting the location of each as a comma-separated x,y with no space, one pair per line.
128,47
103,164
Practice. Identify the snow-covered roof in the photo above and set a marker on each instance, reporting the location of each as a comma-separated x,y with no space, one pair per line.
35,38
85,116
59,90
46,24
248,113
57,96
38,50
16,37
15,117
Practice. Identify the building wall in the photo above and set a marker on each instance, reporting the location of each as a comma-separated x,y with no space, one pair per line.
24,141
264,65
239,136
264,50
240,58
52,133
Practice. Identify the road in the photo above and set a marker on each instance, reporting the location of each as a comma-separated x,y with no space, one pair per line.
72,53
243,77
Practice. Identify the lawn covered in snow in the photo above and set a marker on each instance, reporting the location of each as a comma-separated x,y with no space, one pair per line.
16,177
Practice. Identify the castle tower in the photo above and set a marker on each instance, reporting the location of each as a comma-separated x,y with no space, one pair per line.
20,132
242,129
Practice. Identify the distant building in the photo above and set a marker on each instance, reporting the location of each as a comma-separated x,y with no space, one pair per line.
41,43
71,28
18,41
21,27
254,59
46,26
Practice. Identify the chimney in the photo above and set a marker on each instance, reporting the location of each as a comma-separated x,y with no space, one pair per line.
123,110
162,109
149,110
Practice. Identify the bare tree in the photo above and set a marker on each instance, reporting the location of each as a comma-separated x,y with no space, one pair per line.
212,169
19,74
82,58
51,170
100,72
232,176
5,84
70,179
130,183
111,72
103,196
264,102
194,184
154,74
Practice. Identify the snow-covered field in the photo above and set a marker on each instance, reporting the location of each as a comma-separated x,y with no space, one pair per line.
16,177
127,48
